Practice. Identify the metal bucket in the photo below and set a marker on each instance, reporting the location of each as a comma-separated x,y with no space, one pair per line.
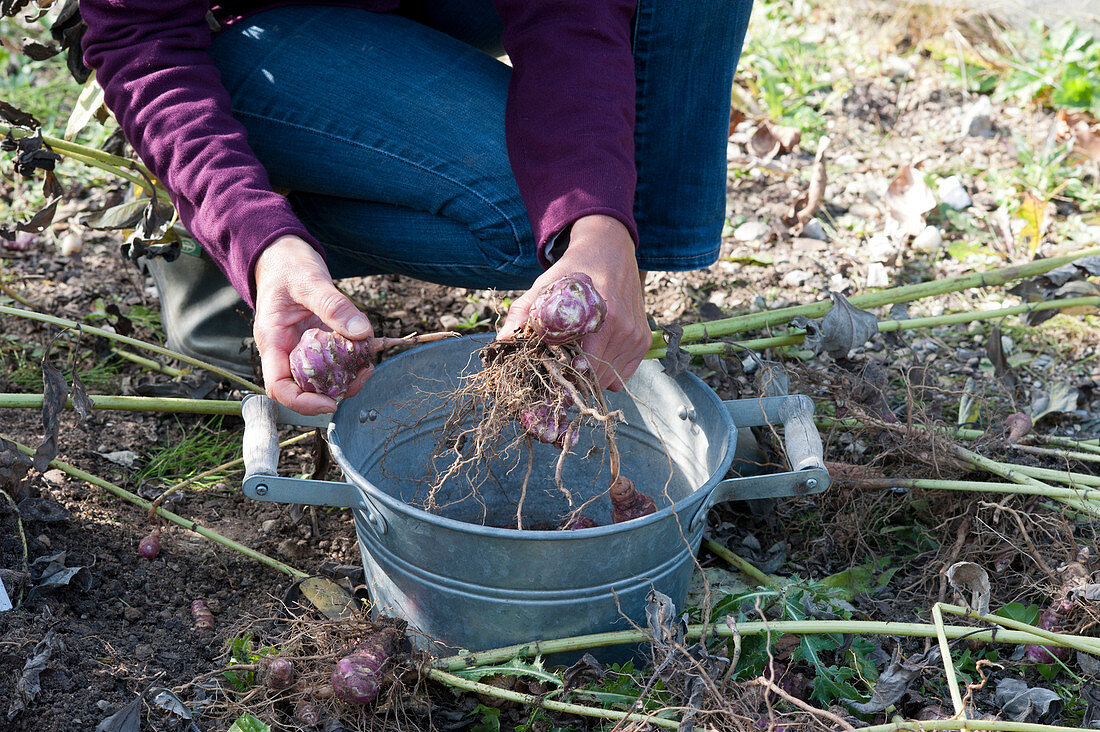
460,579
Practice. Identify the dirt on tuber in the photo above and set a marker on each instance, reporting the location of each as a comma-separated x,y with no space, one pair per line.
326,363
359,675
628,503
276,673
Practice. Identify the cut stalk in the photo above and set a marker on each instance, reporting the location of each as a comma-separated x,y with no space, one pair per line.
168,515
994,725
1087,645
885,326
1016,475
171,405
795,627
549,704
1084,457
746,567
908,293
73,325
1086,494
948,664
147,362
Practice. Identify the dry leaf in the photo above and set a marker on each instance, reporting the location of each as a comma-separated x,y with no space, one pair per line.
1083,130
770,140
908,199
736,118
967,578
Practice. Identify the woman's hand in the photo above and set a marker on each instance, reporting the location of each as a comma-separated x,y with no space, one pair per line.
294,292
601,247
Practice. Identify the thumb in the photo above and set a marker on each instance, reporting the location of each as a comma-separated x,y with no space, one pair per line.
338,312
518,314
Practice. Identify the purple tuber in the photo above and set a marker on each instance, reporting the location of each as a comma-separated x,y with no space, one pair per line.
202,620
627,503
276,673
358,676
149,547
326,363
1018,425
1049,620
568,309
579,522
307,714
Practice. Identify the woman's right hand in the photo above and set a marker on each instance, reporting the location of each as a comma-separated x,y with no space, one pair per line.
294,292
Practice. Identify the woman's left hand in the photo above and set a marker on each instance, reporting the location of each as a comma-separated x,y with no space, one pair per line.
601,247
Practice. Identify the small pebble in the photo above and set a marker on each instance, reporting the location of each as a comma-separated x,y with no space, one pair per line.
751,231
268,526
952,192
103,705
44,540
978,120
813,230
131,613
928,241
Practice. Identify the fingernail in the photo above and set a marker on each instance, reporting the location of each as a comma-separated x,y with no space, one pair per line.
358,326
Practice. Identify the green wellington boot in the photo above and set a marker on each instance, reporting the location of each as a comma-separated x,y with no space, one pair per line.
203,316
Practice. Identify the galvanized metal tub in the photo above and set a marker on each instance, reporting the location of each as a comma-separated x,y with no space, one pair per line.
461,578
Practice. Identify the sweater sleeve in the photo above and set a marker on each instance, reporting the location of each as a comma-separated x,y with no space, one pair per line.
569,120
150,57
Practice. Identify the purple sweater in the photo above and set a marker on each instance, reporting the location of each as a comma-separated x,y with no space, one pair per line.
569,119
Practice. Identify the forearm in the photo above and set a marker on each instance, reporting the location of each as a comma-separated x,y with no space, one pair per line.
570,114
151,58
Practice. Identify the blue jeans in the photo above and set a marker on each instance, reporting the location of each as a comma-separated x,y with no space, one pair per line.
389,132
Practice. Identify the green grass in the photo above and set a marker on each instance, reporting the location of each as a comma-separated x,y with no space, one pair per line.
194,449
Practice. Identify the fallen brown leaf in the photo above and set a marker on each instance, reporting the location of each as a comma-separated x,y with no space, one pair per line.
770,140
908,199
1083,129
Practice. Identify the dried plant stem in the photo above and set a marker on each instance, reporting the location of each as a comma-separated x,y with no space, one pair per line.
73,325
168,515
170,405
795,627
908,293
541,701
778,691
796,336
746,568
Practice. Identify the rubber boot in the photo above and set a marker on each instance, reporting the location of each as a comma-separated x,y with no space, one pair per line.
203,316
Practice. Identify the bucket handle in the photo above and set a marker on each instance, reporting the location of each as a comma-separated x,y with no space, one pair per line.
801,441
262,482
